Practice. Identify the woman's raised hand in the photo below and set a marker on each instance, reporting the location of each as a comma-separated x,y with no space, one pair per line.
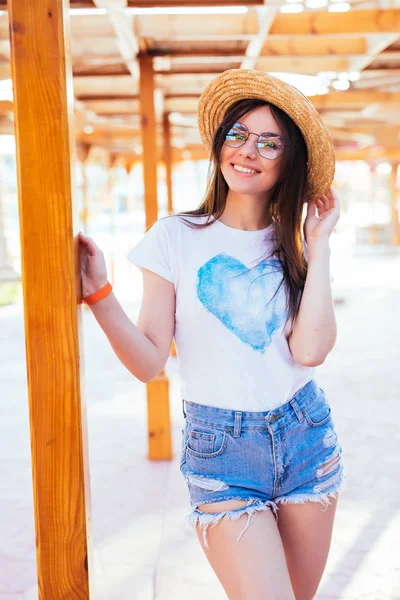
320,226
92,264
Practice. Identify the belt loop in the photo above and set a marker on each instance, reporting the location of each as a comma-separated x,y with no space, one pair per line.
183,408
298,412
238,424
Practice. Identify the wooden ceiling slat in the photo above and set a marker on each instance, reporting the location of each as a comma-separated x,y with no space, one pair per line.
323,22
189,50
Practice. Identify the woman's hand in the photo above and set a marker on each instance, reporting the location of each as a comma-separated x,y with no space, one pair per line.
317,227
92,264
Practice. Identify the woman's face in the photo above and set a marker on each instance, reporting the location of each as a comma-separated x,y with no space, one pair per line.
264,173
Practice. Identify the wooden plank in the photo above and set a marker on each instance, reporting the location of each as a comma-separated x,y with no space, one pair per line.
104,85
313,46
6,106
192,27
149,143
323,22
164,3
158,413
306,65
394,193
168,160
356,98
244,26
370,154
50,271
122,23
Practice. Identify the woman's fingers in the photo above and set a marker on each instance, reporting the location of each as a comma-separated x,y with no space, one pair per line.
311,209
89,243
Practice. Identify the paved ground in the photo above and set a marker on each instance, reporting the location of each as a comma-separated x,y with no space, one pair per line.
143,549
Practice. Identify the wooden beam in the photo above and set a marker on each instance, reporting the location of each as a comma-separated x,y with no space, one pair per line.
5,71
113,106
313,46
169,3
394,195
356,98
122,23
50,272
6,106
190,28
159,423
245,26
375,45
266,16
328,23
306,65
289,45
168,160
148,123
370,154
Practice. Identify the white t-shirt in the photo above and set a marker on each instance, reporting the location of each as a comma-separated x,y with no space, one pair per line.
230,332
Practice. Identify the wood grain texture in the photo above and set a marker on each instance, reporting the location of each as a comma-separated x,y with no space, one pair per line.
159,422
43,108
149,142
168,160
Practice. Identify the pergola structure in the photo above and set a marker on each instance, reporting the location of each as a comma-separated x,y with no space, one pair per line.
181,53
130,83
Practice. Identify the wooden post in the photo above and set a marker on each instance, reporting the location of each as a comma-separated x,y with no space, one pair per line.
168,160
394,206
168,177
373,230
128,164
111,163
158,412
149,140
82,153
43,111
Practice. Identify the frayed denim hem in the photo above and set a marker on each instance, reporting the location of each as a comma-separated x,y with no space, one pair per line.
206,520
322,498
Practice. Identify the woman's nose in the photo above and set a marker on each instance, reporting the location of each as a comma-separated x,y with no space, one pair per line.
249,148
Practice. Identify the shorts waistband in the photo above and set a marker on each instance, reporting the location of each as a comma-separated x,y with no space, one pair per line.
225,417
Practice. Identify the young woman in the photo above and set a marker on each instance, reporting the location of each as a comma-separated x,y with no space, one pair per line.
244,287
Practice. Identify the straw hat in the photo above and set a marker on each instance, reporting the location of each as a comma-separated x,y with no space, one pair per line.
239,84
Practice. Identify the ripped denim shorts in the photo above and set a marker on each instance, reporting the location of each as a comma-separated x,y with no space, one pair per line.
290,454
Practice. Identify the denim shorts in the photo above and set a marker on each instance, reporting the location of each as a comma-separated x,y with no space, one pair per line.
290,454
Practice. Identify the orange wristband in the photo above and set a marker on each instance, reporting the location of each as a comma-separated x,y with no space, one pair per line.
99,295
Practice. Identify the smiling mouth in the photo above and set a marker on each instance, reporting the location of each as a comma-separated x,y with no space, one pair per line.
244,170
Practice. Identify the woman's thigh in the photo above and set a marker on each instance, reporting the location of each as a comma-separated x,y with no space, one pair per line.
306,533
253,567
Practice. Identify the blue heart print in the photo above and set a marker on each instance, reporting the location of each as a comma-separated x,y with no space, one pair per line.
243,299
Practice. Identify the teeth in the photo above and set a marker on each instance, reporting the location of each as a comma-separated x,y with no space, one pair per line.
243,169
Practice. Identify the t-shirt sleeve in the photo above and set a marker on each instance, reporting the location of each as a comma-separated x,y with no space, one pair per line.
153,252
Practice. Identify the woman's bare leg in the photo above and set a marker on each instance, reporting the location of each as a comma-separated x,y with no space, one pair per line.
255,567
306,532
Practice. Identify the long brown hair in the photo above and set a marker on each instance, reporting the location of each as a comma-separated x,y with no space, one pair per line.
286,205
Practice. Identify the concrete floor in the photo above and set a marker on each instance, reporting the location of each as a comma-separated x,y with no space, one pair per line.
143,548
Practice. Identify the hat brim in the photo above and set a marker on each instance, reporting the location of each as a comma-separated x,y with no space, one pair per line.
239,84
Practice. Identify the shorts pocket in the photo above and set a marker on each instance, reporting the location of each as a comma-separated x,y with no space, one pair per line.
318,412
205,443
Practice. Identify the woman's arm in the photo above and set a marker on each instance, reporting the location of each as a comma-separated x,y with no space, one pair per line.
314,331
143,348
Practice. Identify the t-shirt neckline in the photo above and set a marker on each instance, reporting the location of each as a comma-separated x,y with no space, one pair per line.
244,232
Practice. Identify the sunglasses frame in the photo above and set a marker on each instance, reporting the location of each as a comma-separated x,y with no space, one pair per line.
258,137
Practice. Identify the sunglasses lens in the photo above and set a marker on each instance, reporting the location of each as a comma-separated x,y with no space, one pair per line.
270,146
236,136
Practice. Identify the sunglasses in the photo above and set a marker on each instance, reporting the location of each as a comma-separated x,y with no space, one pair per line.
269,145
